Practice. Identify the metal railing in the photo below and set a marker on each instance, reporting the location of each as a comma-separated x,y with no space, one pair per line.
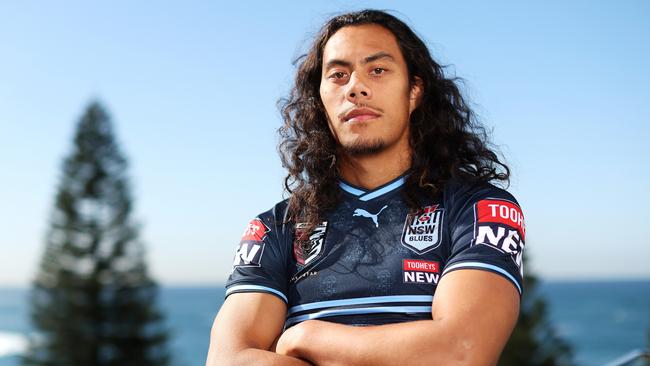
627,359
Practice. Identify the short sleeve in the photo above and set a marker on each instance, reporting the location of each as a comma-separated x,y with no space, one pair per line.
487,232
259,264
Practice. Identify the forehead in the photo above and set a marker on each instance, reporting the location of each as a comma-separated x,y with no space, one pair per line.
358,41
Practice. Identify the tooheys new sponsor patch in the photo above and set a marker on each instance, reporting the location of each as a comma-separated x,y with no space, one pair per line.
420,271
422,230
249,254
251,247
500,224
256,230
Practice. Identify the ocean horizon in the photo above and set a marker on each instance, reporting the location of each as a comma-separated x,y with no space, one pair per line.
601,319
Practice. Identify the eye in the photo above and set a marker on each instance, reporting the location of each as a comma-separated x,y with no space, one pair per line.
378,70
337,75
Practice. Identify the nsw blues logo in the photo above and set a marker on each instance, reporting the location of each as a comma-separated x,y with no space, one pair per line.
423,229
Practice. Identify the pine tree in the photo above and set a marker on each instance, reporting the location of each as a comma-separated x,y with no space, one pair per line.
534,341
92,301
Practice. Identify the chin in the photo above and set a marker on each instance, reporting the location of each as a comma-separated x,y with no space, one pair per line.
362,147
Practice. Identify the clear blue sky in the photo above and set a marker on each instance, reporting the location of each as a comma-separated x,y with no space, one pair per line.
192,88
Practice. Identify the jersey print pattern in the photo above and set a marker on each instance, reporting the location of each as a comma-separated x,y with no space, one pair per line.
372,260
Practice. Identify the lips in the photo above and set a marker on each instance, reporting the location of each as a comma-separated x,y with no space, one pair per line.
360,114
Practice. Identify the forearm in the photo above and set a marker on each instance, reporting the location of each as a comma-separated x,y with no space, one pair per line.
246,330
474,314
424,342
253,356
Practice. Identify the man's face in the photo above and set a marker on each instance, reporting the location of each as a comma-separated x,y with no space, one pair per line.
365,90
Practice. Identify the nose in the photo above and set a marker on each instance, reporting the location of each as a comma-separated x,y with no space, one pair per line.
357,90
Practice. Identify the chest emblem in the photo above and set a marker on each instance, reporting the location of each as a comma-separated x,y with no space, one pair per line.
423,229
364,213
306,254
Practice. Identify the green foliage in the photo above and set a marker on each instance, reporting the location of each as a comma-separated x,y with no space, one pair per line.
534,341
92,301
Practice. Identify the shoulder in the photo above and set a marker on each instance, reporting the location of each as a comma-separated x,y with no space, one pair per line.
464,199
277,212
460,194
273,219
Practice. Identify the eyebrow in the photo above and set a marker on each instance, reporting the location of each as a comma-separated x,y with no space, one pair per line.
377,56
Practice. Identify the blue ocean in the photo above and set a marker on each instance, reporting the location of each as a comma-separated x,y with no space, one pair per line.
601,320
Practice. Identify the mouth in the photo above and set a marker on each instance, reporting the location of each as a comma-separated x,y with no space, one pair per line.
359,114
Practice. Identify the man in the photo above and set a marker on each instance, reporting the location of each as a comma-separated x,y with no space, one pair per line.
393,248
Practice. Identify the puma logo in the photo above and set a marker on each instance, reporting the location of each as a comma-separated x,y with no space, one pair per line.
364,213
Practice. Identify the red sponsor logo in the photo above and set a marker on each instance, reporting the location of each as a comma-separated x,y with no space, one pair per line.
256,230
501,212
421,266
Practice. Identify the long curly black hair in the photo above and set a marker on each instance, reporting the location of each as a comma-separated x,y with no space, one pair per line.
446,139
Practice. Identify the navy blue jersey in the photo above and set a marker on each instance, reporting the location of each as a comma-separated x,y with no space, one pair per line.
372,260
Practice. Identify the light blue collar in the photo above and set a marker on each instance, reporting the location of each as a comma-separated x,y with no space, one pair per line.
365,195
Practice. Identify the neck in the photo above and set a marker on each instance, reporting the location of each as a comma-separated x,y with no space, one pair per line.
372,171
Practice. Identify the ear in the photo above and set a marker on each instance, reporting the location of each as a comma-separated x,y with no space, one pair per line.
415,95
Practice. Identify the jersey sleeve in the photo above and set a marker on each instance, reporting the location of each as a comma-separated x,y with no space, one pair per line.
488,233
260,262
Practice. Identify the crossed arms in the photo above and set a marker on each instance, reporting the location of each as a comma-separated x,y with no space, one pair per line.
473,314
